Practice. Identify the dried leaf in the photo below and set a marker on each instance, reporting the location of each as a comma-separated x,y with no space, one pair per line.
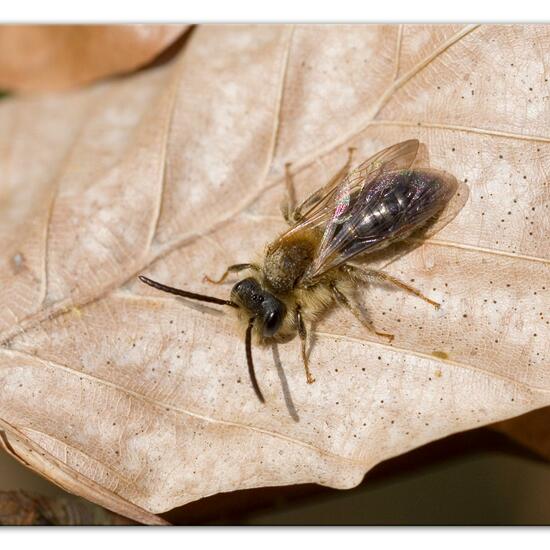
140,401
22,508
54,57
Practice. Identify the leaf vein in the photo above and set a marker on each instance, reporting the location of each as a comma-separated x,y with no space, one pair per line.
406,351
181,410
459,128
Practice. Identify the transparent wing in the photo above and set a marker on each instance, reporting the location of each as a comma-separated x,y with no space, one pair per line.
320,207
389,207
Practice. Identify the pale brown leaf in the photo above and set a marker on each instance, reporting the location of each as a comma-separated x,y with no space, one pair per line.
55,57
140,401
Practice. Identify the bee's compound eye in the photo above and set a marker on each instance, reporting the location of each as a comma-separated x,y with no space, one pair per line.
237,287
272,322
245,287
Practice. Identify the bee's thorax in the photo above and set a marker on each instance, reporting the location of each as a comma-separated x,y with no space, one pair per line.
286,264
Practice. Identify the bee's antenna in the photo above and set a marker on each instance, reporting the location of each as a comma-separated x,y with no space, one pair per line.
248,344
186,294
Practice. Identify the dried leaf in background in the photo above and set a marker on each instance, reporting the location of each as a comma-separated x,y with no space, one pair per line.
55,57
22,508
140,401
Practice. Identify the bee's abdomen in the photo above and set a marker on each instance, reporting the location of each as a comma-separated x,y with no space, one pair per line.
384,213
390,209
409,198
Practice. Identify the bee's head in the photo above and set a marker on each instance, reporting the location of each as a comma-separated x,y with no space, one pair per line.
269,310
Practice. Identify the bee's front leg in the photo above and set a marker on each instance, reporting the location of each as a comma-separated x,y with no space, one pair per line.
303,339
235,268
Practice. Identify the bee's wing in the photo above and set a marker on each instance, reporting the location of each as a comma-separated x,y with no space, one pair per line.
320,207
396,157
389,207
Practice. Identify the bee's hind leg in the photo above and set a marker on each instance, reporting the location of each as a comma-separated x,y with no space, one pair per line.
288,208
351,304
373,275
235,268
303,339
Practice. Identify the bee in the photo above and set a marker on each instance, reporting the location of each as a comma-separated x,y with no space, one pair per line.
308,268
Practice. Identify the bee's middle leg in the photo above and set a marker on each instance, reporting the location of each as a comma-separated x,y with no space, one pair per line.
351,304
235,268
303,339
